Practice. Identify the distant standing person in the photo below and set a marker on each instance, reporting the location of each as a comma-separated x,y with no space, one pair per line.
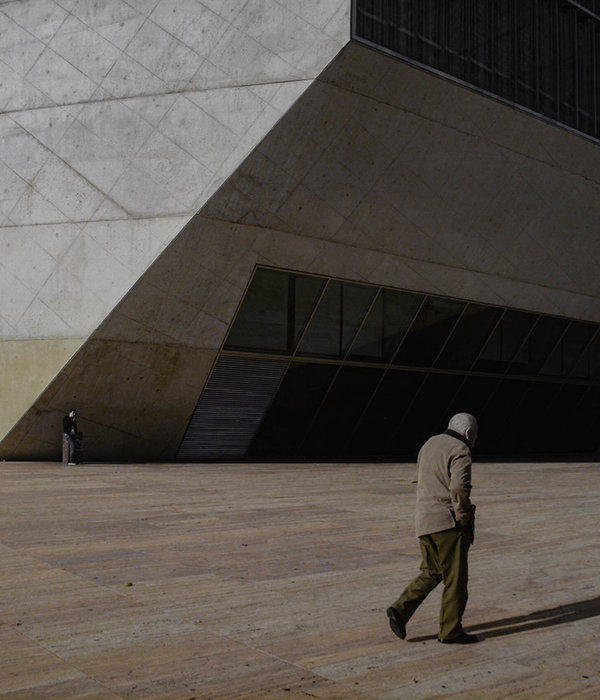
445,526
73,437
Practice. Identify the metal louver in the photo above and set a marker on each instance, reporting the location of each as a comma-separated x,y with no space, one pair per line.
231,408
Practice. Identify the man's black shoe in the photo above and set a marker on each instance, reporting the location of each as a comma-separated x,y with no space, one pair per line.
462,638
396,623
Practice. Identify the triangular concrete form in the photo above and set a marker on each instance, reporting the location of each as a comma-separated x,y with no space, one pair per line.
380,172
118,121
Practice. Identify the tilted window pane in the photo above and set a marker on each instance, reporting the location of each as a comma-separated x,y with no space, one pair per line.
429,332
526,88
589,411
473,395
567,23
494,436
529,422
306,291
565,419
592,5
468,337
337,319
575,345
385,326
480,46
369,342
571,348
593,357
274,311
505,341
262,320
539,344
384,413
291,413
357,300
547,60
586,39
503,39
337,417
323,335
428,414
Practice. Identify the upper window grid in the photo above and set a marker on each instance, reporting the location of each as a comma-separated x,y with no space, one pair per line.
514,337
308,316
541,54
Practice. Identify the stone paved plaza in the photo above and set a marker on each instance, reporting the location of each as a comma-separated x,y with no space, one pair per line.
271,581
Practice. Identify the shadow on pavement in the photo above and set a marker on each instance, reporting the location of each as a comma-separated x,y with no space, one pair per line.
539,619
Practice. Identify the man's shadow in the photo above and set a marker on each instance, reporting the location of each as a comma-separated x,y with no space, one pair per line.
539,619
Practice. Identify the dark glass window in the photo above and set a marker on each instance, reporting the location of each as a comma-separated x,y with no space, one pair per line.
570,350
427,414
505,341
564,420
541,54
429,331
274,311
526,429
567,38
383,414
333,425
588,410
588,366
337,319
495,419
385,326
538,345
526,80
473,395
547,70
312,369
303,293
574,346
291,413
586,69
468,337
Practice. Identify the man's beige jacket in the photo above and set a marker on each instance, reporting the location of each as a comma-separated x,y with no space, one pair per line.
443,485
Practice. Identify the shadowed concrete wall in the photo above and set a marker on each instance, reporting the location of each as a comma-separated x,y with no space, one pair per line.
380,172
118,120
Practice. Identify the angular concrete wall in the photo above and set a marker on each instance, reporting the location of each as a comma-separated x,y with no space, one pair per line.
118,120
380,172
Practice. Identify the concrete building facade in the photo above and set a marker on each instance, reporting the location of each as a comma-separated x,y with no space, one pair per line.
118,121
209,209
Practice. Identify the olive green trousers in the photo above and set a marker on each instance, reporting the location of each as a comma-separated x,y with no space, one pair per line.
444,558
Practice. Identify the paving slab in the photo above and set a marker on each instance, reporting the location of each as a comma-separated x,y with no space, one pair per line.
252,581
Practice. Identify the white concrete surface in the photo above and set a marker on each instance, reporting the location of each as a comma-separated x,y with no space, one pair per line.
131,112
118,120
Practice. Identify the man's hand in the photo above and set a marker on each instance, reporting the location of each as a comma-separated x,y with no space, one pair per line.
468,525
472,525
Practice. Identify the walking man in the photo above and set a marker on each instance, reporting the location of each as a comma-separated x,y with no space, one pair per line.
445,526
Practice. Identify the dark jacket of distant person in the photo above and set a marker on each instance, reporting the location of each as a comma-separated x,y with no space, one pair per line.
70,425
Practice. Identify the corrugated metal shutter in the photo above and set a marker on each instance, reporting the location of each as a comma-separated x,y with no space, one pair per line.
231,408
